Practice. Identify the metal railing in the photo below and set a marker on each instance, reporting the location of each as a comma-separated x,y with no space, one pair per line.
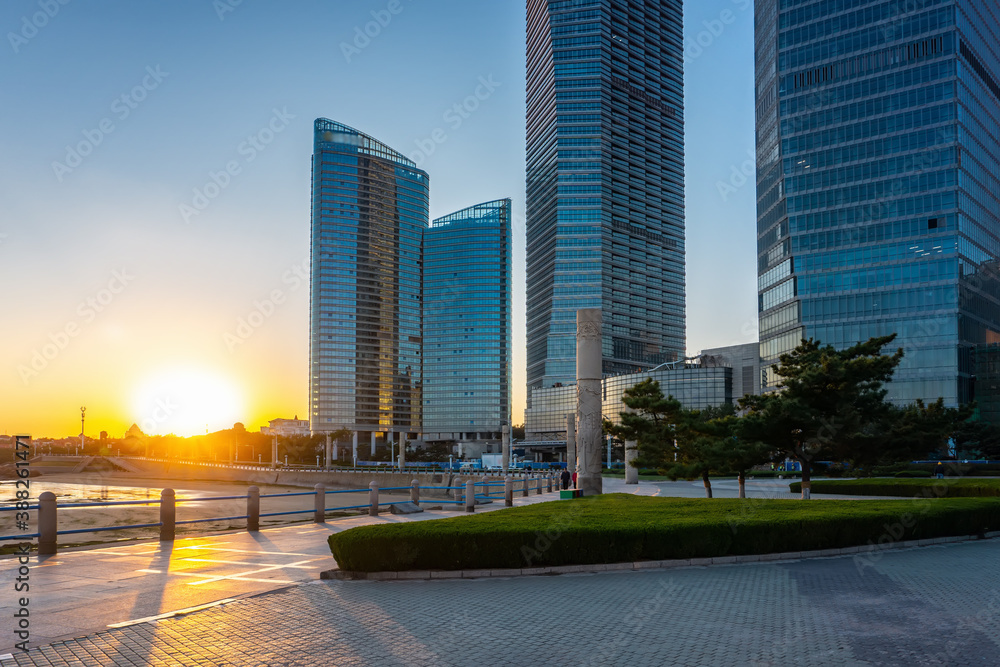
376,467
465,494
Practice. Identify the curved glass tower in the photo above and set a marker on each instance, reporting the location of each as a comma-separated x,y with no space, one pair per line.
467,323
369,212
878,182
605,183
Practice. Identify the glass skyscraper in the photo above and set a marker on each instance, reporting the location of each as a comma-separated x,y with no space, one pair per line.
605,183
877,181
369,213
467,323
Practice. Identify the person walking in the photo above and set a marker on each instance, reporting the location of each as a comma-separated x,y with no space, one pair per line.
565,477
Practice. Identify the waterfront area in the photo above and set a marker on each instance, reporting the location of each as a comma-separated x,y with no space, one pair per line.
69,490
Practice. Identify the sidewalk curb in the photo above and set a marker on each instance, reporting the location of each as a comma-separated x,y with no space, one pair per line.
349,575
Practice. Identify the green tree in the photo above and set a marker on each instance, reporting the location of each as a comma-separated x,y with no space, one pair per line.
652,420
726,450
830,404
913,431
664,433
975,438
701,437
433,452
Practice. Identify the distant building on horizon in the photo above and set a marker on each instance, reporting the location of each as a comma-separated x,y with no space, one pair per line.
697,385
369,212
286,427
878,183
744,359
467,323
605,183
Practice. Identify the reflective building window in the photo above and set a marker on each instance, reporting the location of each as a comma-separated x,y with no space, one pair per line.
369,213
605,183
467,323
878,182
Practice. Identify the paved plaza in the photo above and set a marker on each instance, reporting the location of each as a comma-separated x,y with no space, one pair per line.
924,606
255,599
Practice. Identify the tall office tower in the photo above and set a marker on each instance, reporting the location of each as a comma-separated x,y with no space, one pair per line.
605,183
877,181
467,323
369,212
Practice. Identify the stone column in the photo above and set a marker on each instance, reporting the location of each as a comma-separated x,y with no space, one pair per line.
402,452
508,491
415,492
253,509
590,433
571,443
319,509
334,456
373,444
470,496
354,449
631,453
47,523
506,447
373,499
329,453
274,452
168,515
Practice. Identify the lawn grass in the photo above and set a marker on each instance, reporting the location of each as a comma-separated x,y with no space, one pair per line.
951,487
618,528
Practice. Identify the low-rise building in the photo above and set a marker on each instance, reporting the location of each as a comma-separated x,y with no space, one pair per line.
286,427
695,385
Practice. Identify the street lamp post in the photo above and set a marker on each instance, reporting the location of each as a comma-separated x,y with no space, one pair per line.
83,412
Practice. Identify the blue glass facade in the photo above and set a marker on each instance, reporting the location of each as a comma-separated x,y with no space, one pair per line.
877,181
605,183
695,386
467,323
369,213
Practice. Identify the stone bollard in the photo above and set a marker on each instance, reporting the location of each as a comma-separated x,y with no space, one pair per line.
320,515
538,485
373,499
415,492
508,491
47,524
470,496
458,490
548,488
631,454
168,515
253,509
524,487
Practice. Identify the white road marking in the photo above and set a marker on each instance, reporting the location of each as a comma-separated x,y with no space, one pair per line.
179,612
237,562
242,575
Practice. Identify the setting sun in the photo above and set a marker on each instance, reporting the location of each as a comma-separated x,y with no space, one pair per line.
186,402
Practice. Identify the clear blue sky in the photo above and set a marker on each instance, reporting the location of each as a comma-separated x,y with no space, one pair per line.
161,95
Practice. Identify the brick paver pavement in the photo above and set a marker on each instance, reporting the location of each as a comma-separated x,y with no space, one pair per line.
927,606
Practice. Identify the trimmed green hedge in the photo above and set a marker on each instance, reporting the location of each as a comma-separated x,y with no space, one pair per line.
914,474
917,488
620,528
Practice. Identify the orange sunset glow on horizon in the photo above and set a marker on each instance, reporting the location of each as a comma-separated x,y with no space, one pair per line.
157,356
